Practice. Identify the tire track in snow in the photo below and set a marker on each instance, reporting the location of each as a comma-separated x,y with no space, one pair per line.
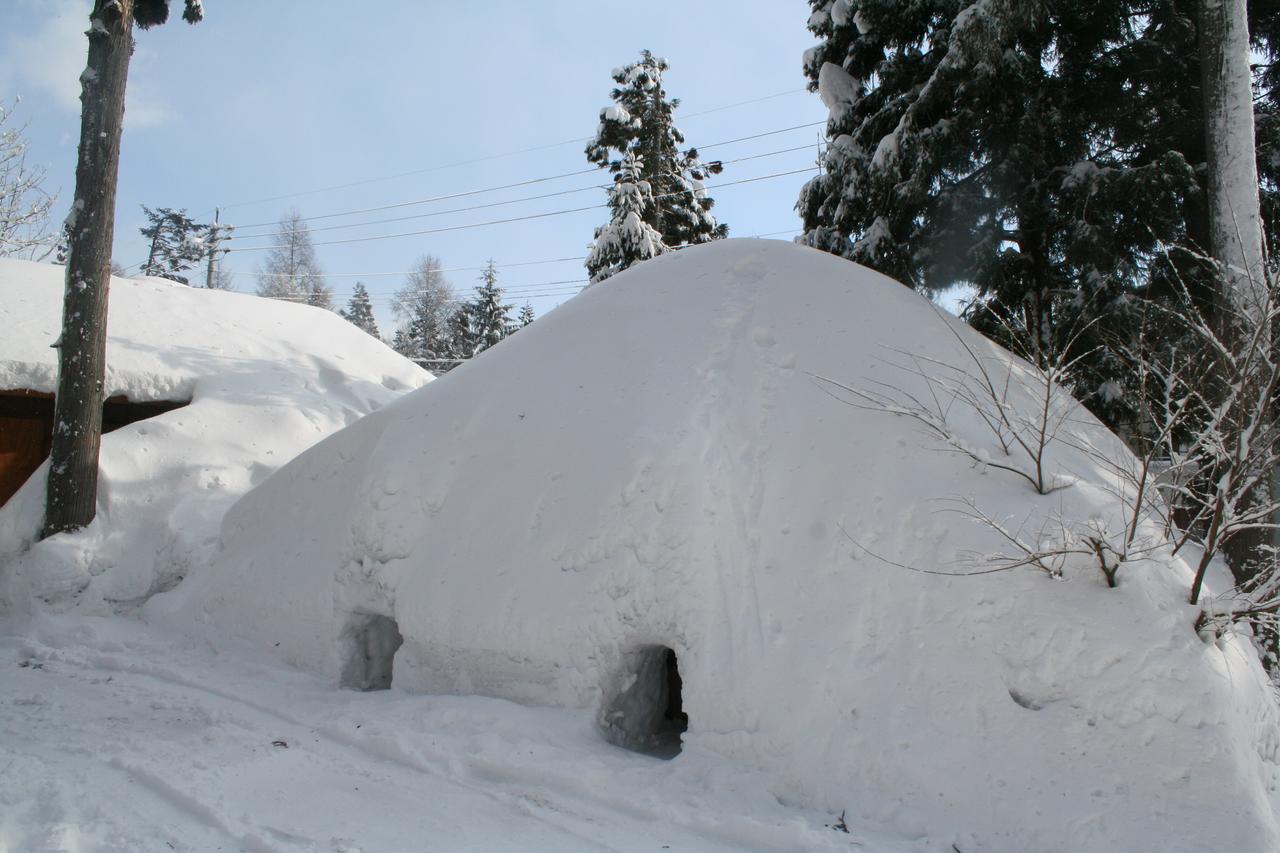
187,805
515,803
561,814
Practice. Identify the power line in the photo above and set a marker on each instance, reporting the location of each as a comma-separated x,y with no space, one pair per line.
511,219
766,133
517,290
521,291
410,272
743,103
523,183
308,230
438,197
487,158
400,273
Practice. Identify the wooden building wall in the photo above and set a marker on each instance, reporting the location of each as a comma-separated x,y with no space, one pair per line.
26,430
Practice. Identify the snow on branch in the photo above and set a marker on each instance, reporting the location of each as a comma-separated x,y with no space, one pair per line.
24,204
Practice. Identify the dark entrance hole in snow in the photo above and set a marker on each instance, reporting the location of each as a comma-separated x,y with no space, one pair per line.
369,643
647,712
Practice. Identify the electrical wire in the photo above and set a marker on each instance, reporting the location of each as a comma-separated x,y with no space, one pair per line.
514,185
309,230
487,158
510,219
520,291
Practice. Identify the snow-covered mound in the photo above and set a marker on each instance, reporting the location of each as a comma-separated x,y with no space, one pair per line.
653,466
265,380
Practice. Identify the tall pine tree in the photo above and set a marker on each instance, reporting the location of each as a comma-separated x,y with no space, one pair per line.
489,318
1043,153
627,238
639,129
359,311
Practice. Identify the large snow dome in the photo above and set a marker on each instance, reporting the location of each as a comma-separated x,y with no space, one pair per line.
258,382
650,478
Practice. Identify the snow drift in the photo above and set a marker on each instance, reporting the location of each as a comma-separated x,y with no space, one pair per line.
652,466
265,380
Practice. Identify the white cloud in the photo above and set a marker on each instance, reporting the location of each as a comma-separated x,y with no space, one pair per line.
45,61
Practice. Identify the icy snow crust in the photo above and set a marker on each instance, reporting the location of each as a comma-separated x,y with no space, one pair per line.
265,379
652,464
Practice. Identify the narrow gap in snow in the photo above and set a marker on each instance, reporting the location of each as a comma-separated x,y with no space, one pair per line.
369,646
647,713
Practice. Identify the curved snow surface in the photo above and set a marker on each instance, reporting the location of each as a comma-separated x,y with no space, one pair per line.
654,464
266,380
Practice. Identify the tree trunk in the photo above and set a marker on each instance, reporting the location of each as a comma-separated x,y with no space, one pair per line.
71,500
151,255
1235,222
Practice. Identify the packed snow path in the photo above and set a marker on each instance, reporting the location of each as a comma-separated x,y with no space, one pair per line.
114,737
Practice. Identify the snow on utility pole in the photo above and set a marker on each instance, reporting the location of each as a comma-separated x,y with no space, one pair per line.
72,494
1235,223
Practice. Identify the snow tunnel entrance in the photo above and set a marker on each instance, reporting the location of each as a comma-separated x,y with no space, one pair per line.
646,713
369,647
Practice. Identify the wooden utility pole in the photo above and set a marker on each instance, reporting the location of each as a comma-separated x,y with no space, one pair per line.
71,500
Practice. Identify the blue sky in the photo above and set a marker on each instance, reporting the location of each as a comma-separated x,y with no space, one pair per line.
265,100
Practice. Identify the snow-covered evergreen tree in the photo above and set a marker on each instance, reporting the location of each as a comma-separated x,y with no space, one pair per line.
1043,154
462,343
526,316
290,270
640,125
177,242
359,311
489,318
627,238
401,343
424,305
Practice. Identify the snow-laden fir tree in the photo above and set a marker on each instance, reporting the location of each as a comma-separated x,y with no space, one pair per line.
488,315
640,123
424,305
1043,154
177,242
460,342
24,204
627,238
290,270
359,311
526,316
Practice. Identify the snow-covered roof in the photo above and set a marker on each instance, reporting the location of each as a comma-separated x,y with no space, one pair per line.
265,380
655,464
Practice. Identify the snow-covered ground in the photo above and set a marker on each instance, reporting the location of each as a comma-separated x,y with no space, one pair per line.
114,737
653,465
